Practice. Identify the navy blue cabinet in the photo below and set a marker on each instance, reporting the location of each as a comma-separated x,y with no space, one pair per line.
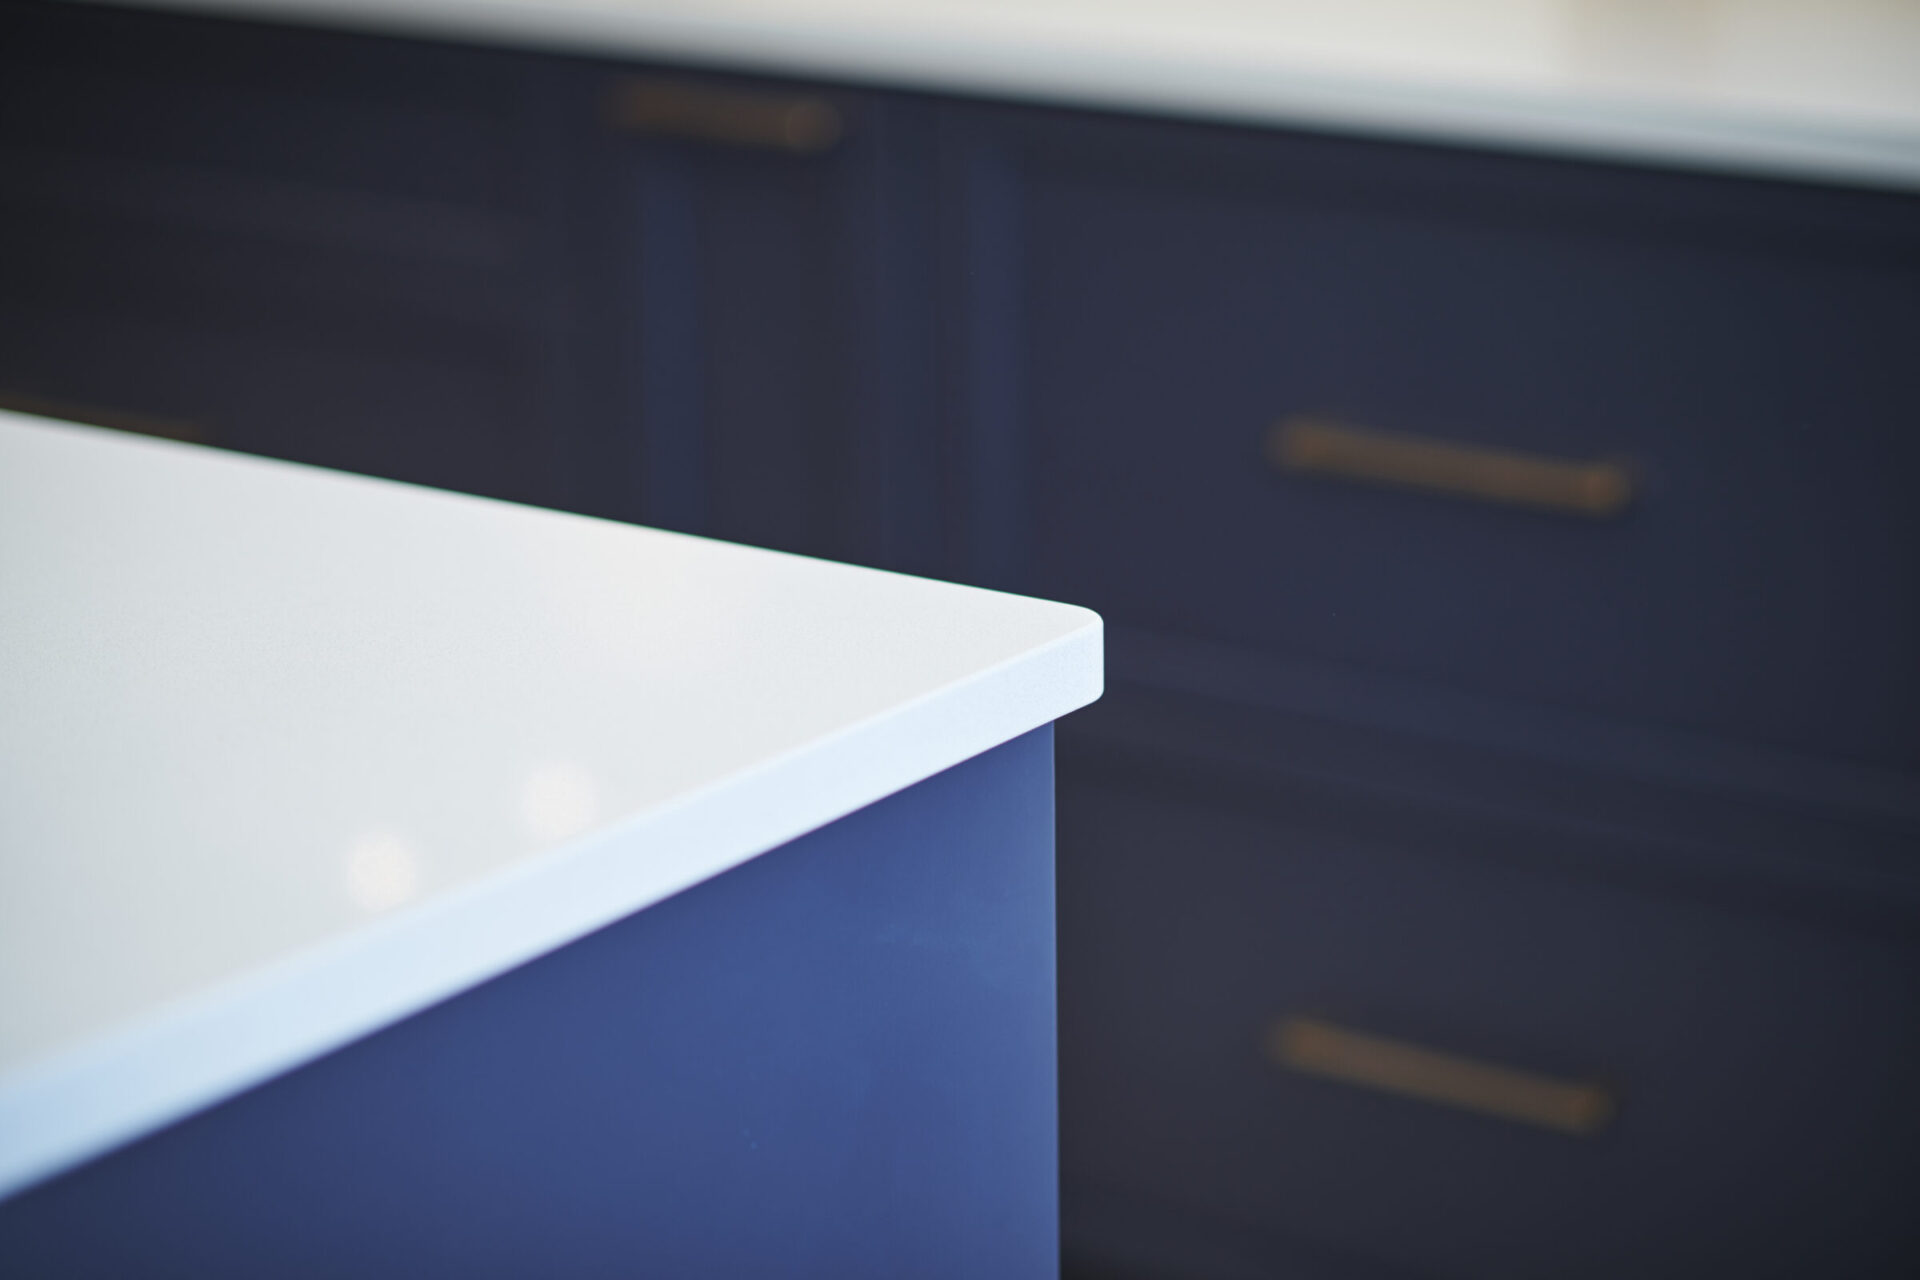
1323,1025
1511,584
329,249
1511,599
755,249
1338,401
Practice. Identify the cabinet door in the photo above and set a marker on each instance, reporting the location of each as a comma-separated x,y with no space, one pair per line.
1703,580
769,339
327,248
1376,1035
1624,443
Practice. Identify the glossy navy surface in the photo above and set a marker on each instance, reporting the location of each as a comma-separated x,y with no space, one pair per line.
836,1060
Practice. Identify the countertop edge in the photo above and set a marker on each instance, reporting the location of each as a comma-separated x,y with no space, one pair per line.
184,1057
1067,72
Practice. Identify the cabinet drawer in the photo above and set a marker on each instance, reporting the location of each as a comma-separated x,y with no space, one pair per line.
1629,450
323,247
325,112
1400,1036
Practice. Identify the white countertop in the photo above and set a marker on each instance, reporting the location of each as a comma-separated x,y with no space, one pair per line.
287,754
1821,89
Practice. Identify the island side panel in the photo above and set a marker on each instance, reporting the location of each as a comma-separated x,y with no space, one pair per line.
836,1060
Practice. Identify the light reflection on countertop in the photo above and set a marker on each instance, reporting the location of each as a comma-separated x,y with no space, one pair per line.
286,755
246,706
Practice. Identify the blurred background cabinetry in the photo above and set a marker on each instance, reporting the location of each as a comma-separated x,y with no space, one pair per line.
339,251
1496,853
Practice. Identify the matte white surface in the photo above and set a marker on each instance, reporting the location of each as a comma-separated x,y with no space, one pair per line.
287,754
1824,89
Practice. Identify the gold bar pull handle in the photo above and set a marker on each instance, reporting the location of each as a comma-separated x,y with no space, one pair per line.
1317,1048
692,111
1316,446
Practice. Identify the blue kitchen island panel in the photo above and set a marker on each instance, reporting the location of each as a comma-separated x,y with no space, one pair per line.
834,1060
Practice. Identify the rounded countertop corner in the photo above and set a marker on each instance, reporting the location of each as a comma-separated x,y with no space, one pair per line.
287,754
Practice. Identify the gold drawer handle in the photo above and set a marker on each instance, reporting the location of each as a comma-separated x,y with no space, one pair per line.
98,416
1317,446
802,124
1395,1066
